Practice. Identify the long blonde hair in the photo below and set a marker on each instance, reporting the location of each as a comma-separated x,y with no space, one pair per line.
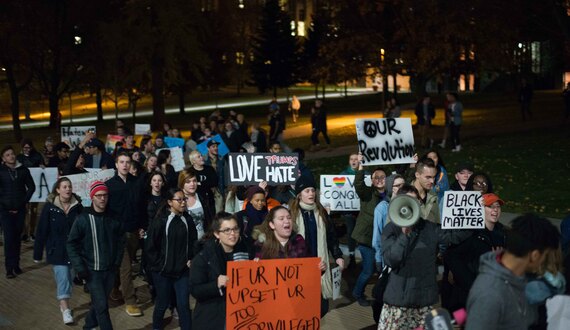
552,262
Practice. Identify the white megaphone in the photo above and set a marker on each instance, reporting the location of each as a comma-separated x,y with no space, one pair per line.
404,210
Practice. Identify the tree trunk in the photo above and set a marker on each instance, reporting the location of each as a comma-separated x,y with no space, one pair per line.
99,102
316,90
54,115
157,92
395,81
324,90
345,88
181,99
15,102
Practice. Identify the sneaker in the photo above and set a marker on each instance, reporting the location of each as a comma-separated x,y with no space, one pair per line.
133,310
442,145
362,301
456,149
18,271
10,274
175,313
67,317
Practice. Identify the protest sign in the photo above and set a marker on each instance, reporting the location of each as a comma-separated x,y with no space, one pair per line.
222,148
251,169
44,179
111,141
72,135
82,182
338,192
385,141
462,210
336,281
172,142
274,294
177,158
142,129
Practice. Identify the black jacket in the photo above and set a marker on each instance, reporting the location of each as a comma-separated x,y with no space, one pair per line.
106,160
70,168
209,263
96,242
53,230
123,201
332,240
169,244
16,187
35,159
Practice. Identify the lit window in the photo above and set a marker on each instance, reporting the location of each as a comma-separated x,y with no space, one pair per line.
77,40
301,29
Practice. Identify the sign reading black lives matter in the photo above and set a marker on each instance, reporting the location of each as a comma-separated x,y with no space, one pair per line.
251,169
385,141
462,210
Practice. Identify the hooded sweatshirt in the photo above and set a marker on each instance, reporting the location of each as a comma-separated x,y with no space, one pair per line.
497,299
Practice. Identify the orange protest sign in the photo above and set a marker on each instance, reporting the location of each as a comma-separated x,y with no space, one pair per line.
274,294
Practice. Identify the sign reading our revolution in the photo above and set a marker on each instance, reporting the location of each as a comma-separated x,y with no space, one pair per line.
81,183
385,141
462,210
338,192
72,135
274,294
251,169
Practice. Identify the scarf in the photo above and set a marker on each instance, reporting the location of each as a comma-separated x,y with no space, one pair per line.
254,216
322,249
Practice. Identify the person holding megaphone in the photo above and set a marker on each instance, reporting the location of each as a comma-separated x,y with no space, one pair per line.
409,247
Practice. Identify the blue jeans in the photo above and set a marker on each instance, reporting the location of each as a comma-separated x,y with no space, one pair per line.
12,225
100,284
163,286
62,275
368,265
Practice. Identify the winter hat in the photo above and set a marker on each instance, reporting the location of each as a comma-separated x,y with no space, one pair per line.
304,182
251,191
97,186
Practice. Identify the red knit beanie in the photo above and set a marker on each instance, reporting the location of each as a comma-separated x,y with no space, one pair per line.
97,186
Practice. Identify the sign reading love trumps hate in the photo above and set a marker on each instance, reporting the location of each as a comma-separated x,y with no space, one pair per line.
462,210
251,169
274,294
338,192
385,141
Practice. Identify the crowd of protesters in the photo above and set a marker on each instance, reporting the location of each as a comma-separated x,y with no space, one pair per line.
183,227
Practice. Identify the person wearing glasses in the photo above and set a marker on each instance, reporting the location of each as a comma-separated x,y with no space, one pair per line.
363,230
95,247
169,249
479,181
208,274
463,259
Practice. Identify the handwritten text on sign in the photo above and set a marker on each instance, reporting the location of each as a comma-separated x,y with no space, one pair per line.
72,135
385,141
462,210
44,179
250,169
338,192
274,294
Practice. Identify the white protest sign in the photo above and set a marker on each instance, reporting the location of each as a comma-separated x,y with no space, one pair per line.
177,158
462,210
82,182
44,179
336,281
142,129
338,192
72,135
385,141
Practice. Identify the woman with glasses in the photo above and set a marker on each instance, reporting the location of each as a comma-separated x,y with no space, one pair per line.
58,214
463,259
208,274
479,181
169,248
313,223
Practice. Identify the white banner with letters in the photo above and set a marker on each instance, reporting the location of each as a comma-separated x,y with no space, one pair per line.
385,141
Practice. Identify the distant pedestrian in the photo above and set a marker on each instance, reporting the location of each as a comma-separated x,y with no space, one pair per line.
393,109
95,247
294,107
455,120
319,123
566,95
525,97
425,112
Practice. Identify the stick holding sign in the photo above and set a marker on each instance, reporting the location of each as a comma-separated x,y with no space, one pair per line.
385,141
462,210
274,294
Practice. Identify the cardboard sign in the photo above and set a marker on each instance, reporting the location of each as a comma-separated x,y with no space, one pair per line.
385,141
336,281
73,135
338,192
177,158
463,210
142,129
44,179
274,294
174,142
111,141
251,169
82,182
222,148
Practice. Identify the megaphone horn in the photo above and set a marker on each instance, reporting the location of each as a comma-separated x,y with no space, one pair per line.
404,210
